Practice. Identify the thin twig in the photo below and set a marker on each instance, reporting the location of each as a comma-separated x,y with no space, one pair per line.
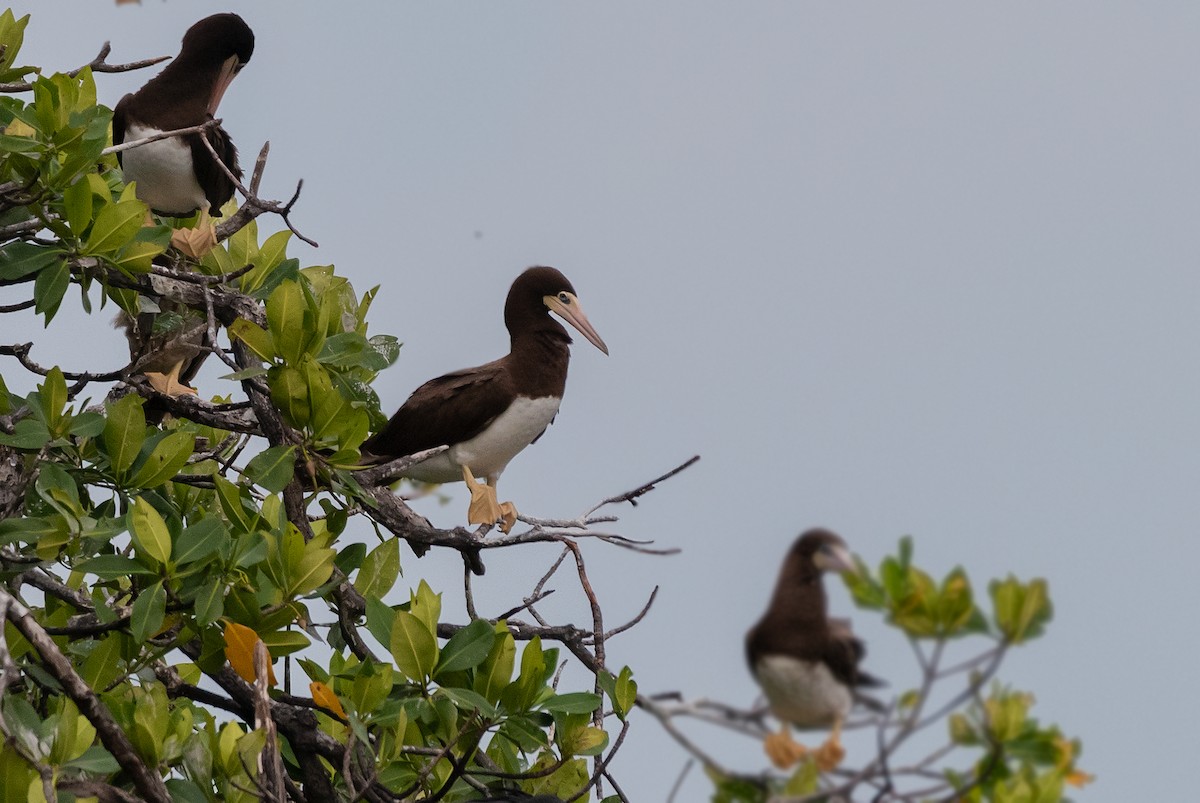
98,64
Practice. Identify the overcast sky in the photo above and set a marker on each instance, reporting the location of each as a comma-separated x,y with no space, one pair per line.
920,268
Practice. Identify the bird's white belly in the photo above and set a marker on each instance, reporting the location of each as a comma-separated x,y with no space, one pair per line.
802,693
163,172
489,452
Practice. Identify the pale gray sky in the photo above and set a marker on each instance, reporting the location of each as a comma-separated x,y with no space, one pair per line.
925,269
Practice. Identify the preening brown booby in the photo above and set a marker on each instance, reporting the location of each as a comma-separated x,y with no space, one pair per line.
177,176
487,414
805,662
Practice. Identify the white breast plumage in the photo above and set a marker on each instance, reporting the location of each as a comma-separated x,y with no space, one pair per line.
163,171
803,693
490,451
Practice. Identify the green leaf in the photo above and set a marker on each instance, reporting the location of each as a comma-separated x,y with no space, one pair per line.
496,672
210,601
30,529
199,541
28,433
151,537
289,394
87,425
272,468
49,289
312,571
380,620
371,687
580,702
148,611
19,259
169,456
379,569
285,642
254,336
113,567
1021,610
426,606
95,760
77,201
467,648
469,701
230,499
624,693
585,741
103,663
286,321
413,647
115,225
124,431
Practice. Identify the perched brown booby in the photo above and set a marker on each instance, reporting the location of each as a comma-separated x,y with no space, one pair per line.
487,414
805,662
177,176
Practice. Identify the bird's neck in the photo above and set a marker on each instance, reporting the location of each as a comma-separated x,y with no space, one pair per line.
539,360
801,602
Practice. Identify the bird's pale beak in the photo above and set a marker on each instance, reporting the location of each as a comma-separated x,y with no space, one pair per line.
834,558
571,312
229,70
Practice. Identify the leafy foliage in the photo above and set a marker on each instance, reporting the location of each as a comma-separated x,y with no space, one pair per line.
151,548
155,554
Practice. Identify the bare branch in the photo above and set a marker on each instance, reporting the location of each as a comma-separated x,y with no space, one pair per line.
98,64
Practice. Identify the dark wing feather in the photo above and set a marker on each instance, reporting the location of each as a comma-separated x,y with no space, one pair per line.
444,411
118,123
846,653
217,187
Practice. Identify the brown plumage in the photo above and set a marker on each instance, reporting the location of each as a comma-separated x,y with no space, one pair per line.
807,663
459,406
186,93
797,624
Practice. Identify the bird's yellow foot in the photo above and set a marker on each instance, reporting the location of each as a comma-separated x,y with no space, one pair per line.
783,750
168,384
484,509
830,754
508,515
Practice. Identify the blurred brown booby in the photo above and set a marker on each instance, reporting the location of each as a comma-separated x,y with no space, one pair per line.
805,662
487,414
177,176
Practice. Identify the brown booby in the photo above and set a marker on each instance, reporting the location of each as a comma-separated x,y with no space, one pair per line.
487,414
805,662
177,176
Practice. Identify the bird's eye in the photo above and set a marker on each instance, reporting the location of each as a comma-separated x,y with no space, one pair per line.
564,298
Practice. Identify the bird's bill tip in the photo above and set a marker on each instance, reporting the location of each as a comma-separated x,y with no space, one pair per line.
567,307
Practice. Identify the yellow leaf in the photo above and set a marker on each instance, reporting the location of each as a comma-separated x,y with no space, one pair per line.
195,242
239,651
323,696
1079,778
18,128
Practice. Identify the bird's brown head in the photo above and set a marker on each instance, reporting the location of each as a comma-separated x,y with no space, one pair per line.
539,291
815,552
221,44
